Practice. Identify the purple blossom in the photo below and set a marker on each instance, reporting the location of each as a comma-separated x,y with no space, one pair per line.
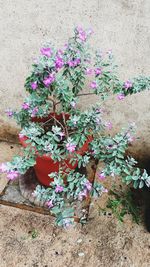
49,203
25,106
104,190
81,34
128,84
75,120
101,176
12,175
59,189
77,61
33,194
73,104
98,71
21,135
88,185
50,79
70,63
82,194
90,31
9,113
61,134
109,125
65,46
130,138
34,85
93,85
93,152
46,51
88,71
60,52
34,112
3,167
67,223
98,121
59,62
74,63
121,96
100,110
70,147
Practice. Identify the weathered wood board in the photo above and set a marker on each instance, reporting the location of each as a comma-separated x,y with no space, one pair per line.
19,193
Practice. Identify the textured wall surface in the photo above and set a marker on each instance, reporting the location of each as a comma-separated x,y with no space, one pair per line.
122,25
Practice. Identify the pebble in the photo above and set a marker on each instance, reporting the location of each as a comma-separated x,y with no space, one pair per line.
79,241
80,254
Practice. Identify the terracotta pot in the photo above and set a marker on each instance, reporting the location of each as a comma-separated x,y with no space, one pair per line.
45,164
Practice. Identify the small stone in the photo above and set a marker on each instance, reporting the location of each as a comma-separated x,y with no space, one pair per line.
79,241
80,254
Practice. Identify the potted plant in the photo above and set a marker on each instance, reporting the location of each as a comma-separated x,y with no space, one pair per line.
57,136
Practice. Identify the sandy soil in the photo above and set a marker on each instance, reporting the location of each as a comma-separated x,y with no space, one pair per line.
102,242
30,239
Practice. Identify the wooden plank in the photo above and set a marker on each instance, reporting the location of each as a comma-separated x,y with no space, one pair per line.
11,195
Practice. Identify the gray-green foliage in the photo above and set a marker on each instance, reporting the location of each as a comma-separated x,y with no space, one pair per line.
54,86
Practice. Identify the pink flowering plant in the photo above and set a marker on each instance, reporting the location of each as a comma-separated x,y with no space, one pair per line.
54,86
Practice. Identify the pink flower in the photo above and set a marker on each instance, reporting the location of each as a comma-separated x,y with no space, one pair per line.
59,189
121,96
128,84
46,51
74,63
93,85
33,194
81,34
34,85
25,106
77,61
21,135
101,176
50,79
70,63
61,134
98,71
104,190
70,147
65,46
34,112
93,152
130,138
73,104
98,121
67,223
9,113
88,185
88,71
49,204
82,194
75,120
3,167
12,175
109,125
59,63
90,31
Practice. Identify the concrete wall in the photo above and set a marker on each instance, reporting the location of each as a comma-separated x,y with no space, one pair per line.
123,25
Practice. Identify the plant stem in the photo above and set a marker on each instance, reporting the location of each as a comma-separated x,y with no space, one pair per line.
64,120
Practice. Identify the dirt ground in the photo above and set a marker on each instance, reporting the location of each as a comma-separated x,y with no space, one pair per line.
31,239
